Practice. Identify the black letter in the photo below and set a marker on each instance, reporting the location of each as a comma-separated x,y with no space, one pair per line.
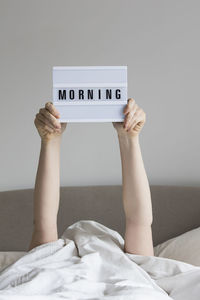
62,94
90,94
108,94
81,94
118,94
99,94
71,94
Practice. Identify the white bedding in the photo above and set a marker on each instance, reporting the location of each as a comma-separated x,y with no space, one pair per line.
88,262
9,257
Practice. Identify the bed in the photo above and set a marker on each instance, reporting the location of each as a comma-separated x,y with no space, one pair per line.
176,209
98,209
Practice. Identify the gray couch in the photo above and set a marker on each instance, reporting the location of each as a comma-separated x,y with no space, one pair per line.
176,210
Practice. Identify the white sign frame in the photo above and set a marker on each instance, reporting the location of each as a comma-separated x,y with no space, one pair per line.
111,81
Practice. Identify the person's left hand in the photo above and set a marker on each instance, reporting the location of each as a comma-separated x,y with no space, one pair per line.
134,120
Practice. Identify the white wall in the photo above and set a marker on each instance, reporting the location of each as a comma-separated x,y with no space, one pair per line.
158,40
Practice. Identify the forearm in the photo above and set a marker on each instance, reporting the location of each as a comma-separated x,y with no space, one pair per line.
47,193
136,191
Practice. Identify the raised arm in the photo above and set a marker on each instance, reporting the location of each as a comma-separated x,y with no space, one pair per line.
136,191
47,183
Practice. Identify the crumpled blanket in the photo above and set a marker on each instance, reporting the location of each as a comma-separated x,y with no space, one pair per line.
88,262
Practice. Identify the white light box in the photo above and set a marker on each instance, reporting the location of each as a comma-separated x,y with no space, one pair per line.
90,94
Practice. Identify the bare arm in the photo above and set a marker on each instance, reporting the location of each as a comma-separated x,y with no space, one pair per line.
136,199
136,191
47,183
46,194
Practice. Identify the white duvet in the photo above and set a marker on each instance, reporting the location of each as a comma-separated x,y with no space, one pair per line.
88,262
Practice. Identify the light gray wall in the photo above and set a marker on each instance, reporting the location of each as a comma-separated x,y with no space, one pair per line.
158,40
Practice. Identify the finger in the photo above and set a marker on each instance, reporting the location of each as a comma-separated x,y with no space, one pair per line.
139,114
136,116
130,115
129,105
50,117
43,125
132,124
137,126
135,122
44,120
51,108
127,119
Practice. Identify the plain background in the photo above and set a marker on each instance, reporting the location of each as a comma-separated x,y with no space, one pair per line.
159,42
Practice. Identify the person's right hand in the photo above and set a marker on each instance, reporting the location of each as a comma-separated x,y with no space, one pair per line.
47,124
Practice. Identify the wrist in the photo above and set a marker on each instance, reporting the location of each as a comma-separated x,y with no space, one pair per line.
128,144
128,139
53,141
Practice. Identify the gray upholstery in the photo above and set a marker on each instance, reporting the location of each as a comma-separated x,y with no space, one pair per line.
175,209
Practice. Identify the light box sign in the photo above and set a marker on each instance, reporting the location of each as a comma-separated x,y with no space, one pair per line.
90,94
